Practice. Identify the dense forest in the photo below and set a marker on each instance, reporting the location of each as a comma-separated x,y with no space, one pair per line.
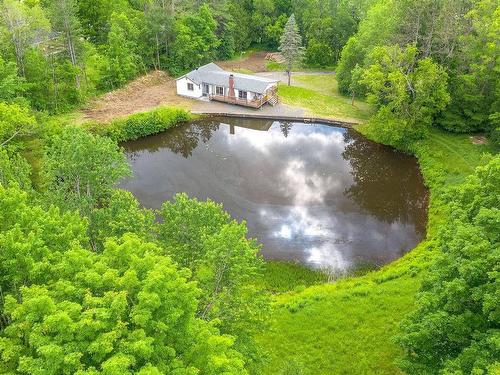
91,282
57,53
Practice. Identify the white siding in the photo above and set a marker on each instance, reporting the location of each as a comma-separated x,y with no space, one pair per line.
250,94
182,88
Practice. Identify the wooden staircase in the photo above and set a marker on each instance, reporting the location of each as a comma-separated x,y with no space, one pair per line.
273,100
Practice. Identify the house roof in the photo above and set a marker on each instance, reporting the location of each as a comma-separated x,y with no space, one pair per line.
214,75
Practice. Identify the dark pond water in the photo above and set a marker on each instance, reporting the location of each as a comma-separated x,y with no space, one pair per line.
320,195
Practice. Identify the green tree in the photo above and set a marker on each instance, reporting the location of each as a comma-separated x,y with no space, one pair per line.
273,32
14,169
476,75
95,17
291,45
195,42
318,54
262,17
81,169
120,214
127,310
65,21
202,237
377,28
120,50
456,325
32,238
15,122
25,25
158,33
11,85
407,92
185,223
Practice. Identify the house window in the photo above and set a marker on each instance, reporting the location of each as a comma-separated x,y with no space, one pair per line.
219,90
242,94
190,87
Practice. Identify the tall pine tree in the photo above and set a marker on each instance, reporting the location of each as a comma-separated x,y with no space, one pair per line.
291,45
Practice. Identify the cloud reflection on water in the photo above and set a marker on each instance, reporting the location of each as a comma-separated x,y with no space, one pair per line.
312,193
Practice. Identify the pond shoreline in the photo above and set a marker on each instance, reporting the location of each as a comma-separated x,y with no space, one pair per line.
304,119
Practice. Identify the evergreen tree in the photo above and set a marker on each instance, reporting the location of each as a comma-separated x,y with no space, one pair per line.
291,45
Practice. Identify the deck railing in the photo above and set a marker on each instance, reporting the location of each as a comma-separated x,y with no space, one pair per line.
254,103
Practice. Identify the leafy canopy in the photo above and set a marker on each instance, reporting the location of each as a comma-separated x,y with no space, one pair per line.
408,93
455,329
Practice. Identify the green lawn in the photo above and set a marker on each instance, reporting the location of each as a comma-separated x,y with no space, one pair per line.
281,67
319,96
322,83
348,327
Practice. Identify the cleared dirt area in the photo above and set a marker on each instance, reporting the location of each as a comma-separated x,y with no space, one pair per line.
144,93
255,62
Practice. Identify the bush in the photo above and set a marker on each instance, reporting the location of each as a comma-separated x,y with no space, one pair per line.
143,124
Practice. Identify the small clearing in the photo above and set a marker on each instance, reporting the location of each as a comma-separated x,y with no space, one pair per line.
252,62
142,94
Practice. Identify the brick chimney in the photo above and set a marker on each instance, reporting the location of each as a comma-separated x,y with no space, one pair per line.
231,86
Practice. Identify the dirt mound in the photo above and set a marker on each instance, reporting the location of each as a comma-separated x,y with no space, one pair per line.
479,140
275,56
144,93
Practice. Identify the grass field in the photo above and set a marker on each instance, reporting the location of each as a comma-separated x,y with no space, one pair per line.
348,327
281,67
319,96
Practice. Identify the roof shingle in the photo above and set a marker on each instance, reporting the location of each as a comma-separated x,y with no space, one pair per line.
214,75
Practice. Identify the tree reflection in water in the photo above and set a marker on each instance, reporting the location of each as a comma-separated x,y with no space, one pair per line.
181,140
286,127
393,192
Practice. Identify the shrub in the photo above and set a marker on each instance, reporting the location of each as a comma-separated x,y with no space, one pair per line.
143,124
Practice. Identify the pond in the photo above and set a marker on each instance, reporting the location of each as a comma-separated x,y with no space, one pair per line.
320,195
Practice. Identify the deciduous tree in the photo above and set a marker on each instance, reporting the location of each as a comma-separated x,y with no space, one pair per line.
201,236
127,310
455,327
407,92
81,169
15,121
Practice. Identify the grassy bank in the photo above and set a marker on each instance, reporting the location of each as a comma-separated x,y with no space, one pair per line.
281,277
319,96
347,327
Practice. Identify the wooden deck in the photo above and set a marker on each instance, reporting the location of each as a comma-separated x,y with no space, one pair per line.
256,103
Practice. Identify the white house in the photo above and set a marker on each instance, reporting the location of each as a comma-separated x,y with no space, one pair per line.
214,83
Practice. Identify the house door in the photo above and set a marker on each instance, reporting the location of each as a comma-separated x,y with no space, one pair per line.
205,90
